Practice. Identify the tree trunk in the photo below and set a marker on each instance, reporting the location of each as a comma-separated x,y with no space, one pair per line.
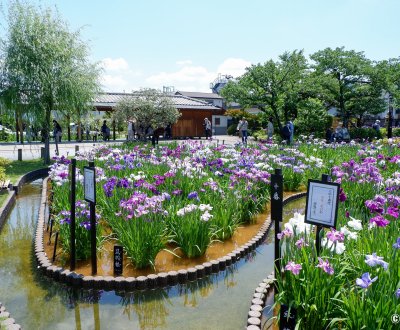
16,126
69,127
46,130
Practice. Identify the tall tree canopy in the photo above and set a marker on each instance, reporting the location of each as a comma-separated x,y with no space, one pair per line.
274,87
350,82
45,66
148,107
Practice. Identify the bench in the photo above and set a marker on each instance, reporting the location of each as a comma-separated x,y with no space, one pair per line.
4,184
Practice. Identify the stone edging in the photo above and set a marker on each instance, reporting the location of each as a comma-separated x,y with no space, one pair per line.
30,176
261,292
6,208
9,323
135,283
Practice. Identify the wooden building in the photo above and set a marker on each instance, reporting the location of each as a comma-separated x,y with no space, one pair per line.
189,125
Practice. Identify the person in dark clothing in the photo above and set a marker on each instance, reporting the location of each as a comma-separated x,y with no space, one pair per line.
105,130
168,131
286,133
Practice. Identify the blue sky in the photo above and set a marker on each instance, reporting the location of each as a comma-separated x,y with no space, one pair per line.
185,44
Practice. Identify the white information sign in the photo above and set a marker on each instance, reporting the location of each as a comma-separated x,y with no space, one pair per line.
322,203
89,184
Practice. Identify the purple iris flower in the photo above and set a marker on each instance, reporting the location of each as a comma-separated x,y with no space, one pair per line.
393,211
365,281
324,264
193,195
85,224
123,183
380,221
374,260
335,235
397,244
293,267
177,192
342,195
397,293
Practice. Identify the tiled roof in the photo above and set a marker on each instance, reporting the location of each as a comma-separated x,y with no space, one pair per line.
200,95
180,101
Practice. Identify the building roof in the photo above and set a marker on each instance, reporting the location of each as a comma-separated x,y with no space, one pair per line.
199,95
180,101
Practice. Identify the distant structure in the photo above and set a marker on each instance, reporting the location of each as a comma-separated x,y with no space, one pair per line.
219,82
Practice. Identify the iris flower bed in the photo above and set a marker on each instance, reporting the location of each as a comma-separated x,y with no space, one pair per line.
185,196
354,282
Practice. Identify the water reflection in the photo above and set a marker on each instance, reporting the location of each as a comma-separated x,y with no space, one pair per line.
218,301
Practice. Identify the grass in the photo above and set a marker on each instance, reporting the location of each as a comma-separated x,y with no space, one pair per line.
16,168
3,196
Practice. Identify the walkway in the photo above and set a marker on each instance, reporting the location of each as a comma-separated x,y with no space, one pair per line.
33,150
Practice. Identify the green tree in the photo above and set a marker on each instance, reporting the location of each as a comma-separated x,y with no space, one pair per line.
45,66
273,87
350,82
148,107
312,118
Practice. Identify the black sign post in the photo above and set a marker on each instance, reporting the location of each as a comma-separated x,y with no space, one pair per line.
72,209
90,196
118,259
276,215
322,205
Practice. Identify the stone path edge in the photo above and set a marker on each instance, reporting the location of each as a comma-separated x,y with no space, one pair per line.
261,292
150,281
8,322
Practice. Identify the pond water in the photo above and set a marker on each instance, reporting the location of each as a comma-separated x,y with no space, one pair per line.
219,301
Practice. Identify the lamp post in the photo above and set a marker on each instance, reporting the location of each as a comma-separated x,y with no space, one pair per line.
390,118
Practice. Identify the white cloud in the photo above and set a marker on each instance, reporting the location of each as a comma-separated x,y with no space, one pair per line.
233,66
184,62
117,64
119,77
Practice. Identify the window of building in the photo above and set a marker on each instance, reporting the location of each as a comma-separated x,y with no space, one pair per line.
217,121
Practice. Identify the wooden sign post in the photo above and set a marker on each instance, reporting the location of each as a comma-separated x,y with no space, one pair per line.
89,178
72,198
118,259
276,215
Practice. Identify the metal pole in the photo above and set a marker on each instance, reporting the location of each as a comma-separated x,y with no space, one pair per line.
72,209
93,232
55,247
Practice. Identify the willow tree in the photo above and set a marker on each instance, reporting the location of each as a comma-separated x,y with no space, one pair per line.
45,66
148,107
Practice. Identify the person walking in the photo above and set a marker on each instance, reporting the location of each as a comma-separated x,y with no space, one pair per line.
286,133
57,132
131,130
243,127
207,128
291,127
270,129
105,130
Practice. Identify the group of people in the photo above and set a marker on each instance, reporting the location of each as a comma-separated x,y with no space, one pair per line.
139,132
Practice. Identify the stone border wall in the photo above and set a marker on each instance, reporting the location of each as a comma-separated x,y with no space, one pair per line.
5,210
7,206
261,292
135,283
30,176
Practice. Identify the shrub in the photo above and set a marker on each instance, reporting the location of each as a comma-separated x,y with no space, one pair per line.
367,134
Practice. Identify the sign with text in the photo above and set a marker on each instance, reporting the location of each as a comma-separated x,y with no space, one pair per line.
287,320
276,196
322,203
118,259
89,181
